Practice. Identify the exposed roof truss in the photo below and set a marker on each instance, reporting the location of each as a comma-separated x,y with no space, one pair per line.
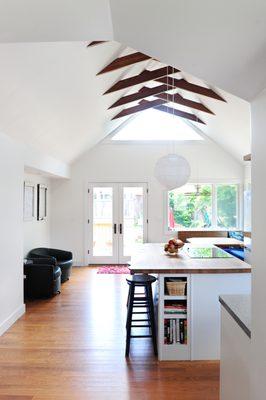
169,92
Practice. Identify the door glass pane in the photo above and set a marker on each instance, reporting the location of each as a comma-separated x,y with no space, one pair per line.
102,221
227,206
132,219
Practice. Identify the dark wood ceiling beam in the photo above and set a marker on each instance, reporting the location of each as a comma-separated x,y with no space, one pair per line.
191,87
125,61
140,107
142,94
174,111
160,92
143,77
178,99
96,42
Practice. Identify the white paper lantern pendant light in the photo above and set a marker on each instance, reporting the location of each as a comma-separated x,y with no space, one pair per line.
172,171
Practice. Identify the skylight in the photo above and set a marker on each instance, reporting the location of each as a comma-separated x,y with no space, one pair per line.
155,125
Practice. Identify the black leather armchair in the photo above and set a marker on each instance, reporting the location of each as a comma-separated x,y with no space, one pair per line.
64,259
42,277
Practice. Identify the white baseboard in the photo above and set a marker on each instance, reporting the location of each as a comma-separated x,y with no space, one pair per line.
7,323
78,263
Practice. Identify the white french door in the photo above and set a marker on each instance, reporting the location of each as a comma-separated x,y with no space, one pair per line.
117,221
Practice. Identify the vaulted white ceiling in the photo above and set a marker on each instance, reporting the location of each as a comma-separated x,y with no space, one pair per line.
54,20
222,42
51,98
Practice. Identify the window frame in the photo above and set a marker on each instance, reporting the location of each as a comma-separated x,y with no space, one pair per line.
214,226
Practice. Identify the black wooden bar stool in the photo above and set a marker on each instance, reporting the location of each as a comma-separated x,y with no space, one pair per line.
142,301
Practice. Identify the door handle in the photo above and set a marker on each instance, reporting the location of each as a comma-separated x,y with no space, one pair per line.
115,229
120,229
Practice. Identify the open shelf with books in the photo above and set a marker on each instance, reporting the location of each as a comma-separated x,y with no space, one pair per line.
174,317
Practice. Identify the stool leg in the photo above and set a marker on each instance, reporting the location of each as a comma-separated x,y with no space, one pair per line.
152,319
129,317
148,308
131,293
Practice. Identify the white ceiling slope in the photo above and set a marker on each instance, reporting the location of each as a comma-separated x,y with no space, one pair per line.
221,42
51,99
54,20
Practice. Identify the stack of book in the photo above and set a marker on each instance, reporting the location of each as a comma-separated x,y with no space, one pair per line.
175,331
175,308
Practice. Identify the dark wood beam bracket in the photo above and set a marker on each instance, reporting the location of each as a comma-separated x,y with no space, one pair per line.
96,42
143,77
191,87
140,107
142,94
125,61
178,113
247,157
178,99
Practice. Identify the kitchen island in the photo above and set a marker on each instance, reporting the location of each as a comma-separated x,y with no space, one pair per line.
197,308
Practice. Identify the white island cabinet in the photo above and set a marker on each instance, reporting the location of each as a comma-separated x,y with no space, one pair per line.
189,322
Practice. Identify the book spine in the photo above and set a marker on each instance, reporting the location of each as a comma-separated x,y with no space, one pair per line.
181,327
174,330
185,331
177,331
168,331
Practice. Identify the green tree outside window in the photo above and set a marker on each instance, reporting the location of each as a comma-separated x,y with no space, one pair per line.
191,207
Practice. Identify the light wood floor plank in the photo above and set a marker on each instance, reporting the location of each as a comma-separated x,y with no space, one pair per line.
71,347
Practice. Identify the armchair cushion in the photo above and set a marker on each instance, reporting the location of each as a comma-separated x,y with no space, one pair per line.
43,278
63,258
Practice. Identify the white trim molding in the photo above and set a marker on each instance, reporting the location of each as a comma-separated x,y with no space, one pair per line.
8,322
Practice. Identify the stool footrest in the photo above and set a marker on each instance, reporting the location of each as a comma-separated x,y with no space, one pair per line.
140,320
140,299
141,305
139,312
140,336
140,326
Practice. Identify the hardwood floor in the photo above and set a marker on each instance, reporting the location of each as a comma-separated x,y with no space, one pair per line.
71,347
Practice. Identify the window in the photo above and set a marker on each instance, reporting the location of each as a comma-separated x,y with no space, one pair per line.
227,206
155,125
203,206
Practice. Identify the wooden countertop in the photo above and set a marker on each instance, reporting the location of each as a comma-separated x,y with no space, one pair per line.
217,241
152,259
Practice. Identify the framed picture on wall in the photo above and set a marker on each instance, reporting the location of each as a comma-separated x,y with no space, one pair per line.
29,201
41,202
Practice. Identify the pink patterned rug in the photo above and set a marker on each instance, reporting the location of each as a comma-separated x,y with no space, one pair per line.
113,269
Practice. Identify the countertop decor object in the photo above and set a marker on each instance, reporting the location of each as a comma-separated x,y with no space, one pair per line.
173,245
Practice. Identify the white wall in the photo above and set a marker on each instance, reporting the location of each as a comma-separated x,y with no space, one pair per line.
13,158
37,162
37,233
123,162
258,335
11,223
247,173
